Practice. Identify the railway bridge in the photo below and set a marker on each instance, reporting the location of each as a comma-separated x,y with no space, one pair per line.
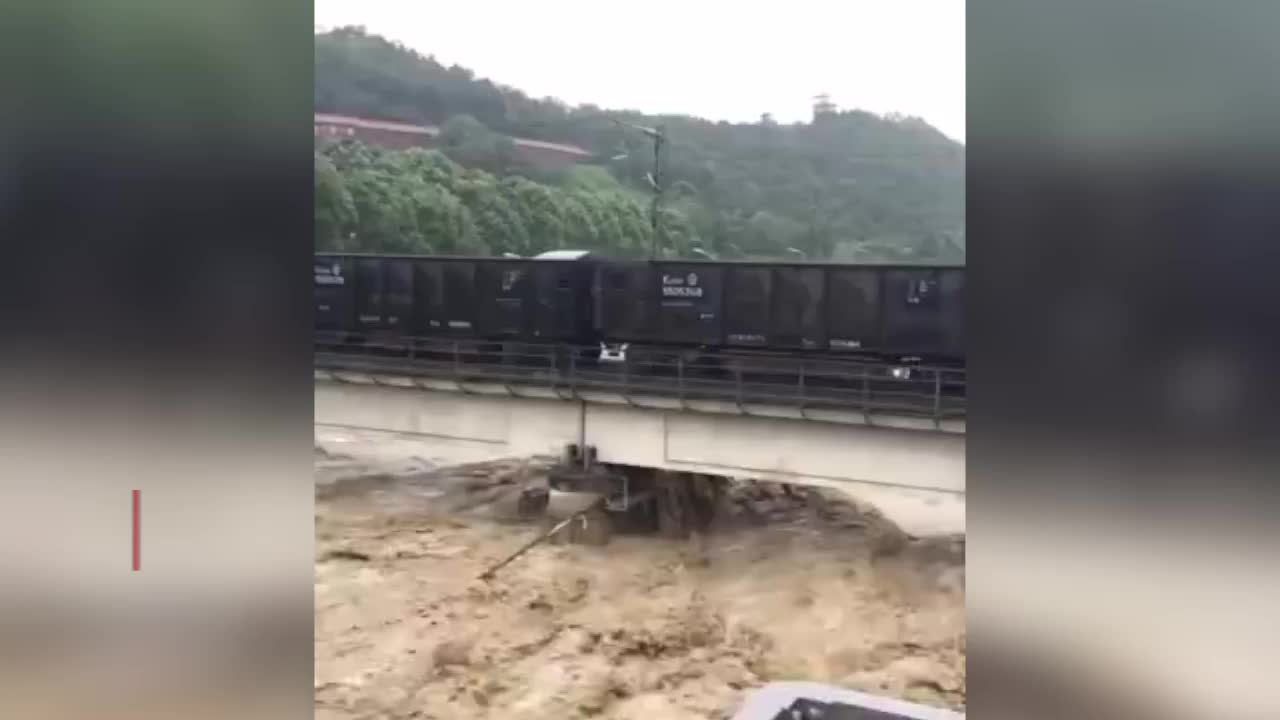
899,446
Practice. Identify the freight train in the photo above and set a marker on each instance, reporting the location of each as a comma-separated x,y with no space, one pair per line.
891,313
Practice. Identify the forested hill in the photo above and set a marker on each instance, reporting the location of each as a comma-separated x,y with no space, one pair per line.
848,184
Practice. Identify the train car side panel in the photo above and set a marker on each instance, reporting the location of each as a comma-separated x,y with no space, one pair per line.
505,303
428,295
457,311
369,293
952,286
853,310
747,293
397,299
798,318
383,295
334,293
912,301
561,304
624,305
688,302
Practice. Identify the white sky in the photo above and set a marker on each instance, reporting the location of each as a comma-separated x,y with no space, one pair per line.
718,59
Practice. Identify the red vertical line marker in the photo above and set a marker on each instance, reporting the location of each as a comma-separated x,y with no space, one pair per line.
137,530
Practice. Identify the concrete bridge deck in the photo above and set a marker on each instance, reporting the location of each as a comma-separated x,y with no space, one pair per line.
912,469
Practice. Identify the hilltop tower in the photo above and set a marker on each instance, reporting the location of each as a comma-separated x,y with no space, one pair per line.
823,107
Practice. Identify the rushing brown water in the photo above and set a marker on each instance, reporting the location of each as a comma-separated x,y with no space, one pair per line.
786,586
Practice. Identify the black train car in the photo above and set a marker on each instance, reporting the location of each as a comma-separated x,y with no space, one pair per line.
395,297
883,311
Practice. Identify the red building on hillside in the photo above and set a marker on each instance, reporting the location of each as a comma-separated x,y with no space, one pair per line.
386,133
400,136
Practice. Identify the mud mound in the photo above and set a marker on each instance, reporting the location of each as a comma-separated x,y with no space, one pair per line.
757,504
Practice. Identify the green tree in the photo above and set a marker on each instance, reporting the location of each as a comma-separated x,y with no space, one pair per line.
430,166
335,211
443,222
541,210
579,223
498,223
385,217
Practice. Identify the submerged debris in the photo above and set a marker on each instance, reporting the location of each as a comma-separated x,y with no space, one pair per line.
345,555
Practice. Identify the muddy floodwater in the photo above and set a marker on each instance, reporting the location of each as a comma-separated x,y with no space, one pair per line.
788,584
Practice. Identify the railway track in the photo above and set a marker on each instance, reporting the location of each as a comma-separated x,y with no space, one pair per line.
818,384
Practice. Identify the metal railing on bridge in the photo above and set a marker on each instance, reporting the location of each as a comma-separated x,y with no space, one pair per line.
741,379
